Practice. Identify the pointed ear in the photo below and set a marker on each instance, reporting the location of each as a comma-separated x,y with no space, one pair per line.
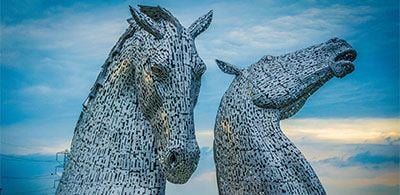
146,23
228,68
201,24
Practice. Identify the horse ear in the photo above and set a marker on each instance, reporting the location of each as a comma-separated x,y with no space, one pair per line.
201,24
228,68
145,22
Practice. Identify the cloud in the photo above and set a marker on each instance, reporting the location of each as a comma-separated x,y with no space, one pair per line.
38,90
51,147
44,90
354,179
361,130
204,184
54,60
206,177
76,33
393,140
348,155
365,159
255,37
330,132
41,136
380,189
205,138
368,158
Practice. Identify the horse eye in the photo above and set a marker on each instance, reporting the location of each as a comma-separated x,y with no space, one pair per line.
199,70
157,71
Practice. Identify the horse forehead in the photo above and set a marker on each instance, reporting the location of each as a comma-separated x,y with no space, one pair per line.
175,42
301,57
173,47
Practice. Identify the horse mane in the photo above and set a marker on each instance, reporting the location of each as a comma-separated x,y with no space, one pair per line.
158,13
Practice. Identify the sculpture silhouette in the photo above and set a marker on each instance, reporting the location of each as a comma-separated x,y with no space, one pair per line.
251,153
136,128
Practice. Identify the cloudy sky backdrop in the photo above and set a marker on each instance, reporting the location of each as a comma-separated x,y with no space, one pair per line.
51,53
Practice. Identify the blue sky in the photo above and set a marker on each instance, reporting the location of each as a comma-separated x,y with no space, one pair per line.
51,53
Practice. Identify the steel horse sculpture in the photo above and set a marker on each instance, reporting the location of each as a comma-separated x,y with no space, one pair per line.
252,154
136,129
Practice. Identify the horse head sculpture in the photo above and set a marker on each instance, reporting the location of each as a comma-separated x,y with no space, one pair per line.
168,74
251,153
136,129
285,82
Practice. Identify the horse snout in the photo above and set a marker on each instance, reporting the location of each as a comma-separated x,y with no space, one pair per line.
180,163
343,63
348,55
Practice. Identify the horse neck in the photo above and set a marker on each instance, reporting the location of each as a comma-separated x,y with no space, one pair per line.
238,109
112,133
112,102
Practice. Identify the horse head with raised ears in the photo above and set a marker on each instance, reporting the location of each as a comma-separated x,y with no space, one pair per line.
168,73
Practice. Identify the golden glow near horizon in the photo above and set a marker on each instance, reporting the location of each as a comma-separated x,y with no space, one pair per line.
340,131
318,140
344,131
339,140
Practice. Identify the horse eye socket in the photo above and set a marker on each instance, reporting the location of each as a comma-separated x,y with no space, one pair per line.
198,71
157,71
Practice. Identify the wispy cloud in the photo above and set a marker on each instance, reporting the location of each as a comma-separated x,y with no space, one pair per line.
69,33
339,181
54,60
41,136
205,138
365,159
288,32
36,147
